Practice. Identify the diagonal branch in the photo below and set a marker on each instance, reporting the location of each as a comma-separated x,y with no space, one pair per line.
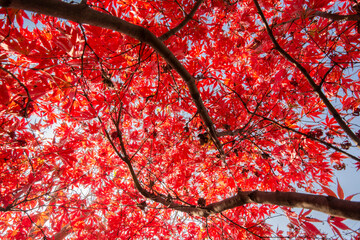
335,17
253,113
183,23
310,80
83,14
329,145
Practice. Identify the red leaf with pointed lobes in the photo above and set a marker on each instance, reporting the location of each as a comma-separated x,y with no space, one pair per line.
340,191
87,82
309,219
336,231
311,229
351,196
336,221
328,191
315,4
357,166
4,96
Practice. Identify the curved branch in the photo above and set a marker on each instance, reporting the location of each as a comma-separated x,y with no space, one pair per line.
82,14
188,17
164,200
326,204
309,13
29,100
310,80
335,17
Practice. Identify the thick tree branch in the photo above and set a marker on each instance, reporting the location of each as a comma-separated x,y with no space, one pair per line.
183,23
335,17
314,13
310,80
82,14
326,204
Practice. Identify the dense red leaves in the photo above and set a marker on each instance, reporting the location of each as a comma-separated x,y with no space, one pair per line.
89,91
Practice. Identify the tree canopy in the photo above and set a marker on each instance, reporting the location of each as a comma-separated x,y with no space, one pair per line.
184,119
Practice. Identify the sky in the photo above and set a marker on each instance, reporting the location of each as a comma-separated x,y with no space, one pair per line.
349,179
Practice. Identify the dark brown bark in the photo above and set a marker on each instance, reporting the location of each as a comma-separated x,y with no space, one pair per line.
82,14
325,204
336,17
316,88
183,23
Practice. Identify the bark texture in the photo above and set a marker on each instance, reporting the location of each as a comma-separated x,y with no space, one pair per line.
82,14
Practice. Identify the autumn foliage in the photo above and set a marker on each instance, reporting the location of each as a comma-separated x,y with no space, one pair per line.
177,119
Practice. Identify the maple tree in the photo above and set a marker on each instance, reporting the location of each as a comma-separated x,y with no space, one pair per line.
183,119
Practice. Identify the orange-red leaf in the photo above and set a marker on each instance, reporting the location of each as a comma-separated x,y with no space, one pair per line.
338,223
328,191
351,196
310,228
4,96
340,191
